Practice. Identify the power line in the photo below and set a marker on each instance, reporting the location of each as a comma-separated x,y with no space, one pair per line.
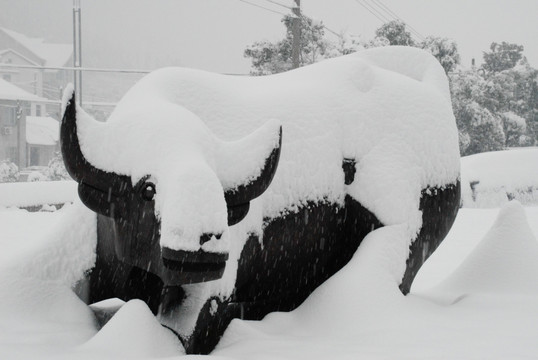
332,31
324,26
370,11
283,14
262,7
279,4
394,15
410,27
381,13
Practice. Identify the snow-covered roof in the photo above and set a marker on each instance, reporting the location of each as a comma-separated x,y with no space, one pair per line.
7,51
499,175
42,130
51,54
8,91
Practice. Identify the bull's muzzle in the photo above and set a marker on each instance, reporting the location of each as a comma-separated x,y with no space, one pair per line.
195,266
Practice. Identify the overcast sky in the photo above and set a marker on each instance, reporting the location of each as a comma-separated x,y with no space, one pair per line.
212,34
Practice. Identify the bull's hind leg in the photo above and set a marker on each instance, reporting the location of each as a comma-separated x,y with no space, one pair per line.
439,209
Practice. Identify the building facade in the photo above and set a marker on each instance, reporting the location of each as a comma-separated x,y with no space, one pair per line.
26,137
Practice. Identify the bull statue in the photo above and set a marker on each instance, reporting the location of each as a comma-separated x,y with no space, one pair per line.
222,197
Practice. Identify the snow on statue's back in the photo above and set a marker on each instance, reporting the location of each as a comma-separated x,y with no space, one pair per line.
268,184
348,107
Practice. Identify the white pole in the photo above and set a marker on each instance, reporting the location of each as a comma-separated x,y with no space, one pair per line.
77,53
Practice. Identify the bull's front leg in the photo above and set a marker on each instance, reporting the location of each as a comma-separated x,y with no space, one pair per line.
112,278
196,317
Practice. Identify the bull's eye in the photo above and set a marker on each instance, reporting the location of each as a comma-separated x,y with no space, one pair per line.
148,191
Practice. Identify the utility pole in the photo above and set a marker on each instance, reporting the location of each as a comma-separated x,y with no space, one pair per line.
77,51
296,32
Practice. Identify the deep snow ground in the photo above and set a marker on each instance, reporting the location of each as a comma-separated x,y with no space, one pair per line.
348,317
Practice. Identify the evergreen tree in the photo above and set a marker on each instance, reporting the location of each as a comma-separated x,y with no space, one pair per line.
396,33
480,129
270,58
445,51
502,56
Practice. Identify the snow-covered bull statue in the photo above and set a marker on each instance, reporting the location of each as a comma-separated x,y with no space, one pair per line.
222,197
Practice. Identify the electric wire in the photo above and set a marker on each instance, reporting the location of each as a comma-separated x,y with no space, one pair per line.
393,14
263,7
279,4
381,13
371,12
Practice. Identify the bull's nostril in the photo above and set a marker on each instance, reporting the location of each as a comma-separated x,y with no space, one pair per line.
207,237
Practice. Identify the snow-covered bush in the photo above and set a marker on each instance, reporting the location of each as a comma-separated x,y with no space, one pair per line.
56,169
36,176
9,172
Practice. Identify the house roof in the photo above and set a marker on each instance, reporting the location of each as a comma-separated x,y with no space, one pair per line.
8,91
54,55
30,61
42,130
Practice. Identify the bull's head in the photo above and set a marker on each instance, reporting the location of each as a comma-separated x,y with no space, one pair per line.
170,219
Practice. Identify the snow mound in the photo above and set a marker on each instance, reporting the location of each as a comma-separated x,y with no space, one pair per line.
492,179
62,249
134,332
26,194
39,300
505,261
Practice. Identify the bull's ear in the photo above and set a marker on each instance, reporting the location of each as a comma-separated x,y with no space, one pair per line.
247,167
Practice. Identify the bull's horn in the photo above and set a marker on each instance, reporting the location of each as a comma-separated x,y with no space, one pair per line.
76,164
250,164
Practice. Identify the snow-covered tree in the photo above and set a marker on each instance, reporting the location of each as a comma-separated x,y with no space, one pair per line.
480,129
502,56
514,127
347,44
9,172
377,42
515,91
396,33
270,58
444,49
56,169
509,108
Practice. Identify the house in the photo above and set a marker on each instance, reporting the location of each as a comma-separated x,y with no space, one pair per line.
19,49
26,137
42,139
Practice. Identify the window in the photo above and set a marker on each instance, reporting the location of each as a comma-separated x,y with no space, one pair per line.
8,115
34,156
12,154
